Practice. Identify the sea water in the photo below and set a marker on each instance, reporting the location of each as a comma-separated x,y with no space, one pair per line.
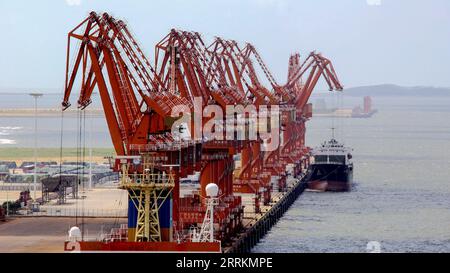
400,201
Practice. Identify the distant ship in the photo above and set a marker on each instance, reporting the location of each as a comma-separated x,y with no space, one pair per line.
321,110
331,168
366,111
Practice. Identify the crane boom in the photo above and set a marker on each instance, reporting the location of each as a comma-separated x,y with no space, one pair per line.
138,97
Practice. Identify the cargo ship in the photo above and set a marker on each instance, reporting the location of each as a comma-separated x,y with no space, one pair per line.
366,111
331,168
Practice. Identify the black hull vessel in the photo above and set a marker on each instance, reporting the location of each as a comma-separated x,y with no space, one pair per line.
326,177
331,168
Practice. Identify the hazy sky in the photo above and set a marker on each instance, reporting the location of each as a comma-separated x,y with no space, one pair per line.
404,42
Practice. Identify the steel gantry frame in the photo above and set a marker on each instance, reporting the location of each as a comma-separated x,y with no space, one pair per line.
138,97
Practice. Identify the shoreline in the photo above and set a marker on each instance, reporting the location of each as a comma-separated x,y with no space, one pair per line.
21,154
48,112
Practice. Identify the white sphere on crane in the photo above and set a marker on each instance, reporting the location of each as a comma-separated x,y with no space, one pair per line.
74,234
212,190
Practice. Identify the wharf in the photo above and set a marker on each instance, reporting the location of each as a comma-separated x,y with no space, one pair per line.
257,227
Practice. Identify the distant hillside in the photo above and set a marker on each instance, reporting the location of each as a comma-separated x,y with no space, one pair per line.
360,91
395,90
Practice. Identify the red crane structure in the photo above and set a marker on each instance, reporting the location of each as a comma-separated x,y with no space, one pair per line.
142,102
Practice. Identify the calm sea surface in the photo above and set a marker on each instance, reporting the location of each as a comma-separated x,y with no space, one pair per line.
401,196
19,131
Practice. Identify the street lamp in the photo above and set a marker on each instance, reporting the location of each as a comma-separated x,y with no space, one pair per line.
35,96
7,202
90,152
90,145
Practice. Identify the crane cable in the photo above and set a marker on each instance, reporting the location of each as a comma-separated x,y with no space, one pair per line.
83,161
77,181
334,116
342,121
61,151
80,153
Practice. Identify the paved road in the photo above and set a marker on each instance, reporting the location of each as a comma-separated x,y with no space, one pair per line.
46,234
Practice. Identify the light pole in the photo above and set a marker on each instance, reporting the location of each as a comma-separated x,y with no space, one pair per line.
35,96
7,202
90,150
90,145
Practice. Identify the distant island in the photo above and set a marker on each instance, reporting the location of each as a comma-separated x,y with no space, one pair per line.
396,90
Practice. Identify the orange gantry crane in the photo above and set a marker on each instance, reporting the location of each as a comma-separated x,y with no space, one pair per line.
142,100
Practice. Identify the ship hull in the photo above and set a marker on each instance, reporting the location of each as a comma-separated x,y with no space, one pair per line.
318,185
330,177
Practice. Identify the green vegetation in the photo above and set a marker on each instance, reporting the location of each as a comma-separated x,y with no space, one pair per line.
17,153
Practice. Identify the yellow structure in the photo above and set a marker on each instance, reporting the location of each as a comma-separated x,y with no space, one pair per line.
148,190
